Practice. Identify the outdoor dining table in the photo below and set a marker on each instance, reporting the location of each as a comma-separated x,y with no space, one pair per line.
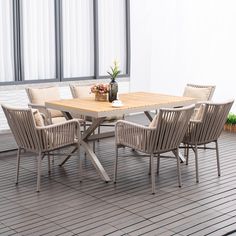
134,102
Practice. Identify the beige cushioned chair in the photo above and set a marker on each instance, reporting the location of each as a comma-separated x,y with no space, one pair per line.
207,129
164,135
81,91
38,97
201,92
31,135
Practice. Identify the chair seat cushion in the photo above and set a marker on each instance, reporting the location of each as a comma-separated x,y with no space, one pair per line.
113,118
56,120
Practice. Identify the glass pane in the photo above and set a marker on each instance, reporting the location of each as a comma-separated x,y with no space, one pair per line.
78,38
6,41
112,34
39,39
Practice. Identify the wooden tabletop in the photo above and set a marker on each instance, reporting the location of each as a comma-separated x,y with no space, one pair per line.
132,102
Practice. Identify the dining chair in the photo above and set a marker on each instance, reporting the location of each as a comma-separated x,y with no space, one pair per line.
32,135
201,92
164,134
206,128
38,97
81,91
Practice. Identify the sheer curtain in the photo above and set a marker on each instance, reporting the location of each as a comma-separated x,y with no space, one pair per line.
78,38
39,39
6,41
112,34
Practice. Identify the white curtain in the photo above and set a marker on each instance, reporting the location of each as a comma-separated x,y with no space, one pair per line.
78,38
39,39
6,41
112,34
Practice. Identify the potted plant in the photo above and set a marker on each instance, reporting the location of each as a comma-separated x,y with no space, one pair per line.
100,91
230,124
113,85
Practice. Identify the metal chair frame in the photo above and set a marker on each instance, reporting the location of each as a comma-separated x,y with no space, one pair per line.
165,137
40,140
207,130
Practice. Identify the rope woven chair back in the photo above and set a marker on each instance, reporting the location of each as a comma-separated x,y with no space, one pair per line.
171,127
22,125
202,92
211,126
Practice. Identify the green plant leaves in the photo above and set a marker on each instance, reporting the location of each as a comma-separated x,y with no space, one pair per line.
114,71
231,119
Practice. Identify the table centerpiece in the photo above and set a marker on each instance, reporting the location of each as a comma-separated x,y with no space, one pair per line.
100,91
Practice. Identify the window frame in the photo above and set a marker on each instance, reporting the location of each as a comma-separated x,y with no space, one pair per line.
18,46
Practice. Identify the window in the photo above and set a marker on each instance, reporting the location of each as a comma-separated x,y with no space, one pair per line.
78,38
112,34
38,39
6,41
50,40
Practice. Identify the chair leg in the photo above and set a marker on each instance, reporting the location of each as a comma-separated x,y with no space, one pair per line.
196,162
178,167
53,157
18,164
217,157
80,163
99,131
84,125
187,152
93,146
158,163
116,164
149,171
49,164
39,171
152,173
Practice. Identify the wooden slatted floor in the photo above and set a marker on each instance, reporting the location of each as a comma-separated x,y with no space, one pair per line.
67,207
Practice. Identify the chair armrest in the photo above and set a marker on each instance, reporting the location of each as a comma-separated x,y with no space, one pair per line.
75,121
121,123
133,135
59,135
